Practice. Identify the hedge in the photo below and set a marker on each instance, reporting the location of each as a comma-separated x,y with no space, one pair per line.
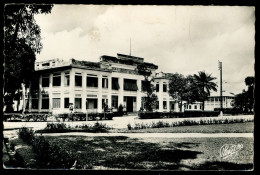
155,115
82,116
25,117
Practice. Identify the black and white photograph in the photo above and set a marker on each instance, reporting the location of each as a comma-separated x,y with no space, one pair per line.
128,87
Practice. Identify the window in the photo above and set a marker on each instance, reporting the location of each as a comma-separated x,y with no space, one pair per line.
56,79
189,106
56,102
45,64
130,85
114,101
104,82
66,102
195,107
104,101
157,104
34,103
115,85
200,106
164,87
45,103
78,79
77,103
92,103
164,105
45,81
67,79
157,87
92,81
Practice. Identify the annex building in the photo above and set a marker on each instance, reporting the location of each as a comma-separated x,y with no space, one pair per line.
90,85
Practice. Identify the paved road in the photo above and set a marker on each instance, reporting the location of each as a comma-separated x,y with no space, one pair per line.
117,122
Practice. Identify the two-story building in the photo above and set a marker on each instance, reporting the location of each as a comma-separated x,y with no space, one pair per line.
90,85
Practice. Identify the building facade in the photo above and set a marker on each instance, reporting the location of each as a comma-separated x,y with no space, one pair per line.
89,85
215,102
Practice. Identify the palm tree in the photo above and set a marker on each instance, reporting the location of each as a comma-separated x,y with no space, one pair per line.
205,84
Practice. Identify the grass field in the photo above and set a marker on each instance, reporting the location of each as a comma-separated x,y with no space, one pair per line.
247,127
150,153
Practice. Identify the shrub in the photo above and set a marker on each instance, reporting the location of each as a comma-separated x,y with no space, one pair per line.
129,127
51,155
27,135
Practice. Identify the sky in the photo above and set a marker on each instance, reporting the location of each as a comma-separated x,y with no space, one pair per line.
183,39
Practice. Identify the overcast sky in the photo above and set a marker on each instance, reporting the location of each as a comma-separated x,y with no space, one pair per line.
183,39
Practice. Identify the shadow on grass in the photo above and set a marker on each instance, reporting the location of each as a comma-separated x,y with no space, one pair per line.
218,165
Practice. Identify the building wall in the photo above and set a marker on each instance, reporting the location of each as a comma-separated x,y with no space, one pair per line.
214,102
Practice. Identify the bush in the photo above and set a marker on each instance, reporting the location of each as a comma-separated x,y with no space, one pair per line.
51,155
26,135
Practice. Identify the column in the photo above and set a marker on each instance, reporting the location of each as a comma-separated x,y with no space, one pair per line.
72,86
84,91
121,91
109,91
62,92
99,93
40,94
160,96
50,92
139,95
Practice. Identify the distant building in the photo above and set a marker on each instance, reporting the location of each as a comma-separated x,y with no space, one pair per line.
214,102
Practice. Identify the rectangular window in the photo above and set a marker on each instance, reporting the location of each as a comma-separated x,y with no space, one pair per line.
77,103
92,103
34,103
92,81
130,85
67,79
45,103
104,82
195,107
56,79
56,102
164,87
164,105
115,85
104,101
78,79
45,81
157,87
189,106
114,101
66,102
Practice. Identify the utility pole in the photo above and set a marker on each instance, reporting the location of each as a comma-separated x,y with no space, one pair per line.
221,99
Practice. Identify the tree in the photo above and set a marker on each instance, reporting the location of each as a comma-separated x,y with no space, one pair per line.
22,41
178,88
150,100
245,100
205,85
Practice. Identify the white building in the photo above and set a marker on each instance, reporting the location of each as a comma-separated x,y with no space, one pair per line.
88,85
214,102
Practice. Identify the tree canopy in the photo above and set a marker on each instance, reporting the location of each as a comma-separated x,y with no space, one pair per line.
149,102
22,40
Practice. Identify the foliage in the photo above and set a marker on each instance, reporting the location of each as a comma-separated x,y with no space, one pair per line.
245,101
149,102
188,122
22,41
27,135
205,85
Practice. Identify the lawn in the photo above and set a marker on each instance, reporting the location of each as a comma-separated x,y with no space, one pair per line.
153,153
247,127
